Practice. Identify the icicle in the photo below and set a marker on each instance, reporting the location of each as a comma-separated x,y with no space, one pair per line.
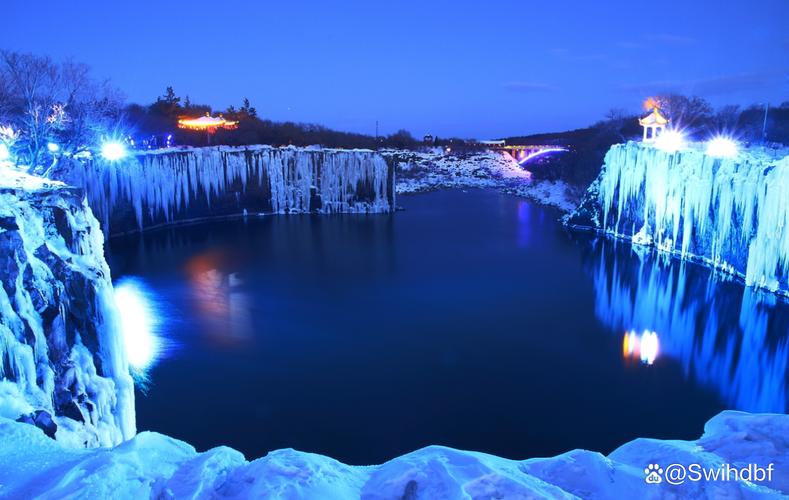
731,213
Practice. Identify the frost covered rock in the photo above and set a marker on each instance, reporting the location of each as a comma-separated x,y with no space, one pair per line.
428,171
730,213
170,185
60,351
155,466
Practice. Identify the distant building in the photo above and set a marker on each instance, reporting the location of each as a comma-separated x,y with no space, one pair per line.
654,124
428,139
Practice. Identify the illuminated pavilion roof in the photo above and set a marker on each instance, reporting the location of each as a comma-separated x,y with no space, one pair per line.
653,118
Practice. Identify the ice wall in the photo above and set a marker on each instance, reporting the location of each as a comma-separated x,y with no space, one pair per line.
62,364
173,185
732,214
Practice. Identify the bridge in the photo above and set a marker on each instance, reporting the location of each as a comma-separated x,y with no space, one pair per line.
525,153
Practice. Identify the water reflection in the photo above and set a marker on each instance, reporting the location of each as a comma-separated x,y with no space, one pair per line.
726,337
140,323
643,347
224,307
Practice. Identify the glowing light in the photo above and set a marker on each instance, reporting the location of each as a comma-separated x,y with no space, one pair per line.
5,154
139,321
722,147
644,347
113,151
541,152
52,147
207,123
671,141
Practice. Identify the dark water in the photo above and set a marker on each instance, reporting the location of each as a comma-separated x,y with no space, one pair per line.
472,320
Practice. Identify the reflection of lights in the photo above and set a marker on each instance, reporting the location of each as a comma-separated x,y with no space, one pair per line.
52,147
5,154
139,320
644,347
670,141
722,147
113,151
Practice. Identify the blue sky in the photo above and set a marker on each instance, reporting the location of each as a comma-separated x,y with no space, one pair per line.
470,69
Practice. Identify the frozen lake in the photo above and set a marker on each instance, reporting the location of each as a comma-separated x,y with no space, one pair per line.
471,319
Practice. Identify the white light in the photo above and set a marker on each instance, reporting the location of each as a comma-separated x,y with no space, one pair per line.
138,320
52,147
670,141
5,154
113,151
722,147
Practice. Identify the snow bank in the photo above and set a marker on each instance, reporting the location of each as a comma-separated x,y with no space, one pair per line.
428,171
154,466
171,185
730,213
60,350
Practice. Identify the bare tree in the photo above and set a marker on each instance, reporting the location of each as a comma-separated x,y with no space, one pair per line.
47,102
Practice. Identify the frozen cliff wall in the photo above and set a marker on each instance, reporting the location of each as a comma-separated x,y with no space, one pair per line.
730,213
62,364
166,186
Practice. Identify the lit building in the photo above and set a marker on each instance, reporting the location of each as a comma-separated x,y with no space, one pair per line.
654,124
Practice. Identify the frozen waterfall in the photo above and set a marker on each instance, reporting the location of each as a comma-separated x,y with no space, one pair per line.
164,186
62,362
731,213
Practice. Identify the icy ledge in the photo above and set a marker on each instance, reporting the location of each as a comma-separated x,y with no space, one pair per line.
62,366
729,213
178,185
155,466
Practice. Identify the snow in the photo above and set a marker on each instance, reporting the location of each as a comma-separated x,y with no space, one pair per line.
60,348
427,171
155,466
162,185
731,213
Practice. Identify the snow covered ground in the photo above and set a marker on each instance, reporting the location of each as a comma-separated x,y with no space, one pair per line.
426,171
155,466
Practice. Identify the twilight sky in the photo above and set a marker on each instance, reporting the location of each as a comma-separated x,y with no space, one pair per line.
461,68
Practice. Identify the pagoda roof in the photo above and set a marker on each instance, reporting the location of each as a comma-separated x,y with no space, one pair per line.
653,118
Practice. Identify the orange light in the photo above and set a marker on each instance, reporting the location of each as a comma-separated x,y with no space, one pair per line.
207,123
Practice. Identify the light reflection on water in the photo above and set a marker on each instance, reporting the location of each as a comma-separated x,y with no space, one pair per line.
225,308
141,323
725,336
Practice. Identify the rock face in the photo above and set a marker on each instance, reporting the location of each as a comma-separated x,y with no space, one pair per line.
732,214
155,466
61,355
166,186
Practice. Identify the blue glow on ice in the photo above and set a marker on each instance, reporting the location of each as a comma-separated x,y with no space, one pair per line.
139,319
5,154
722,147
113,151
671,141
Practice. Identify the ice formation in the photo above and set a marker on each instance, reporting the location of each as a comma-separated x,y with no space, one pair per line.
163,186
61,355
731,213
155,466
734,343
